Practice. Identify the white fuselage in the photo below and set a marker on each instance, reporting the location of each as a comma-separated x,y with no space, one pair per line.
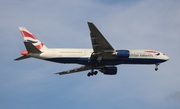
81,56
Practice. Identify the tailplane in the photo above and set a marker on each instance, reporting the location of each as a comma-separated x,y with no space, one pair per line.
21,58
31,48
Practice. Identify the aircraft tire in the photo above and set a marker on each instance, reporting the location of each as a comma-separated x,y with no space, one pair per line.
156,69
89,74
95,73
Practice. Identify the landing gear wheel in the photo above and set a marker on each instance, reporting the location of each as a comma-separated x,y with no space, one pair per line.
89,74
156,69
92,73
95,73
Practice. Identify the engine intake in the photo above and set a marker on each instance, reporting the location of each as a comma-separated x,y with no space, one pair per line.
122,53
109,70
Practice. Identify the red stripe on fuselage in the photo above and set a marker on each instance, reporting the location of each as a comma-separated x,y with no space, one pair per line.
151,51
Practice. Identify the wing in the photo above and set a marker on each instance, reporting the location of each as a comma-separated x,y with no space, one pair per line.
102,50
101,47
79,69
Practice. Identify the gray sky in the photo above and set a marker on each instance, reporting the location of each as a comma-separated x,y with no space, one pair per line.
139,24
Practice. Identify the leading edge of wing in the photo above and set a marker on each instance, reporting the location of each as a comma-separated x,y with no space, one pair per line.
78,69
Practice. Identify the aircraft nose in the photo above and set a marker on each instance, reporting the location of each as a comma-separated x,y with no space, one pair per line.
166,58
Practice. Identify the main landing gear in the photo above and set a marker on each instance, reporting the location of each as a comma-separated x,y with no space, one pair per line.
156,67
92,73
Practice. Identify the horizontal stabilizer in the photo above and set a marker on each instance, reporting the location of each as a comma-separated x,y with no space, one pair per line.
22,57
31,48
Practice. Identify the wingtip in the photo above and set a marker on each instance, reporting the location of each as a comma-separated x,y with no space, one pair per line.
57,73
89,22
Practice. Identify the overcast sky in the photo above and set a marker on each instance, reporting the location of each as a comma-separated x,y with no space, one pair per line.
126,24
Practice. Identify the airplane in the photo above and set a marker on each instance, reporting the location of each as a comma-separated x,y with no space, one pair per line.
102,57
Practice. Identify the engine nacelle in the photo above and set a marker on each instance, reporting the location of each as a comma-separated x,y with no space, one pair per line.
122,53
109,70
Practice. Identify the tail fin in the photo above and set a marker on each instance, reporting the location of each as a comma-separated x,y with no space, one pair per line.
29,37
32,44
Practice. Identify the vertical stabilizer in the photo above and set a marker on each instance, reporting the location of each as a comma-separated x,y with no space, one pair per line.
29,37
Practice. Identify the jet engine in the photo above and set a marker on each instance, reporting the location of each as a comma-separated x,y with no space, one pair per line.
122,53
109,70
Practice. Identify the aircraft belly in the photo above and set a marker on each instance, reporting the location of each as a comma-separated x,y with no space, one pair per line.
69,60
85,61
141,61
132,61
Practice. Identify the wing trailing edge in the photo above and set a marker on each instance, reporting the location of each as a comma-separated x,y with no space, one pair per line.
78,69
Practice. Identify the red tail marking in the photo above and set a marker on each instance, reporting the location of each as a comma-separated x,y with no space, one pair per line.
39,46
26,34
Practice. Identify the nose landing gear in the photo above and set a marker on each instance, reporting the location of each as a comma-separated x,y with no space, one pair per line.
156,67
